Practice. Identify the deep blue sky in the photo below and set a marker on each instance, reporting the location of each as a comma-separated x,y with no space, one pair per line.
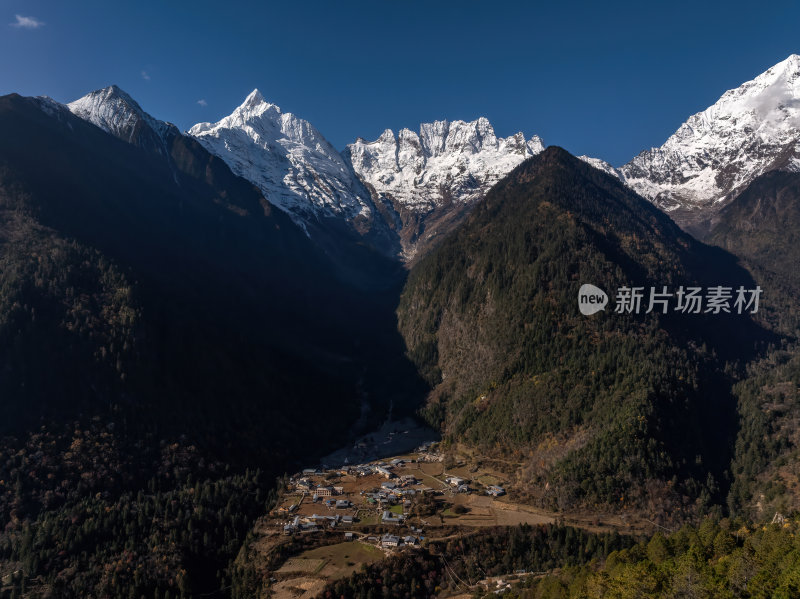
601,78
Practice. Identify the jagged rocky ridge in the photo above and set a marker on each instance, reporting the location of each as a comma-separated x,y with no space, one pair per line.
402,182
430,179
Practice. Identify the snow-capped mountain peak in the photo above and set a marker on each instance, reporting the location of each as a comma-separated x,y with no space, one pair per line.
750,130
254,99
254,105
288,159
115,112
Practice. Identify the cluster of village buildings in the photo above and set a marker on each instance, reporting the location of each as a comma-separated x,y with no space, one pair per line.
395,490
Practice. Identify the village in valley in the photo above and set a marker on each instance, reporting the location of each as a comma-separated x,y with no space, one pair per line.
382,499
329,521
390,493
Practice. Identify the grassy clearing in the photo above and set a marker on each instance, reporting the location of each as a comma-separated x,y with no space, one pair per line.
461,472
430,481
302,565
343,558
488,479
368,519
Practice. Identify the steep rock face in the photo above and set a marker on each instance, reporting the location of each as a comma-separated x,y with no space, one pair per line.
716,153
427,181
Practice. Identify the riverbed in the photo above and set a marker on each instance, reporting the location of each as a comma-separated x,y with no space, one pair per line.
394,437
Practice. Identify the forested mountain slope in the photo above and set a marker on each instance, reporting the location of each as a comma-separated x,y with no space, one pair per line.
613,408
